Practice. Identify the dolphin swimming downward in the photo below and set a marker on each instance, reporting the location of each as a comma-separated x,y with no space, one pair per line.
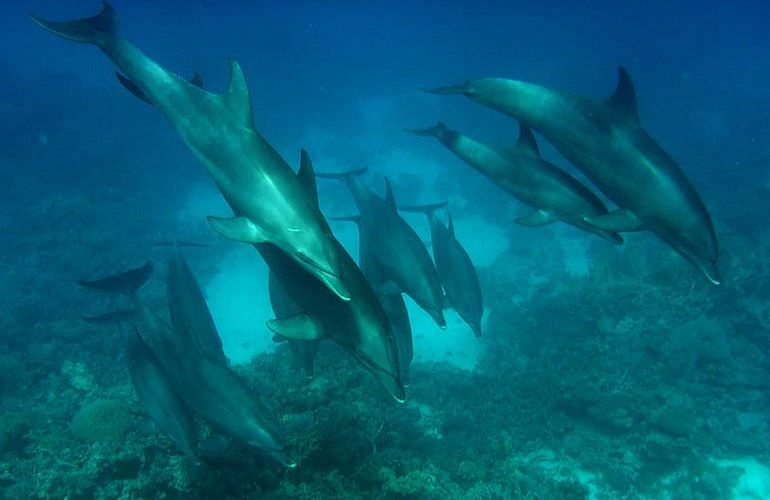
269,204
605,139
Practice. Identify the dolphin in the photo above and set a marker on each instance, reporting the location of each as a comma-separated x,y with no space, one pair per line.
605,139
359,325
455,268
189,311
158,397
394,304
525,175
152,385
269,204
284,307
398,249
210,389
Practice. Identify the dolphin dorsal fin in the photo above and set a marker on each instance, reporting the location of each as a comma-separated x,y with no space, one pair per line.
389,198
197,80
527,140
306,176
623,101
236,97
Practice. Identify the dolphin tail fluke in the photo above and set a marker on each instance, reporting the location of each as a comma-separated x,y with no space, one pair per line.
341,176
437,130
126,282
99,29
462,88
424,209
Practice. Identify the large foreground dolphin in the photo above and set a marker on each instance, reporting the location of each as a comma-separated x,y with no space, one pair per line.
455,268
269,204
397,248
605,139
360,325
524,174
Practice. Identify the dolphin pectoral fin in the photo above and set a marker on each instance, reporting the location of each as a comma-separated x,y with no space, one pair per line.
298,327
237,229
536,219
133,88
617,221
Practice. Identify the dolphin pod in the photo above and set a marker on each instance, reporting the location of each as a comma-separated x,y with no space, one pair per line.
605,139
455,268
524,174
398,249
269,203
182,363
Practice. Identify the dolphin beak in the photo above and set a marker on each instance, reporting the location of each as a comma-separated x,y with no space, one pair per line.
331,279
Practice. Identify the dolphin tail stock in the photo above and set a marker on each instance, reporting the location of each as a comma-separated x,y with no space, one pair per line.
437,130
426,209
99,30
127,282
462,88
341,176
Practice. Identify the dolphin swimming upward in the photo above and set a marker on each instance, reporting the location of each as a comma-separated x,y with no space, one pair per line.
524,174
269,203
605,139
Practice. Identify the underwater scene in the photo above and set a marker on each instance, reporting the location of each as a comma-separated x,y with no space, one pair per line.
385,250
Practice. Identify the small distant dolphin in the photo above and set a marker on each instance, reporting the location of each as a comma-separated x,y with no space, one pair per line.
158,397
524,174
455,268
269,203
605,139
398,249
360,325
393,302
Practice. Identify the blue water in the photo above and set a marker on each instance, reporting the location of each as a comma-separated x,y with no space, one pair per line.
604,373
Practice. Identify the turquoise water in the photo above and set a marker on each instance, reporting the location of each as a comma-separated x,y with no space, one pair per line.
603,372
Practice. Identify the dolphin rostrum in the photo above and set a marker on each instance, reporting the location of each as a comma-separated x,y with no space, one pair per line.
525,175
605,139
269,203
455,268
397,247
